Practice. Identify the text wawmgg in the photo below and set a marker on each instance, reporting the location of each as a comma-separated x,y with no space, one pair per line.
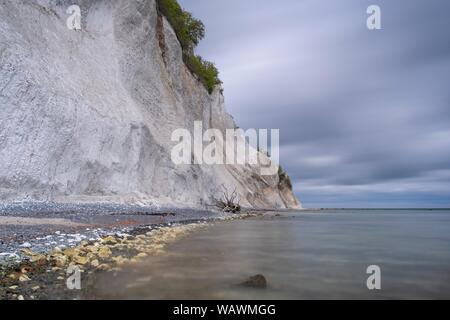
246,309
184,310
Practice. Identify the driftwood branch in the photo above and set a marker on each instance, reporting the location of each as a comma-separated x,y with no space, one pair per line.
229,202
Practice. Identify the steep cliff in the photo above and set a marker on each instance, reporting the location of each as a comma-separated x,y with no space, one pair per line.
87,116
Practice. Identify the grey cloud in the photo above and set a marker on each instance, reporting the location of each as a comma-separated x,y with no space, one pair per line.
364,115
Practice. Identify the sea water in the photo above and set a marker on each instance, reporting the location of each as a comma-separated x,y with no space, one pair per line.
303,255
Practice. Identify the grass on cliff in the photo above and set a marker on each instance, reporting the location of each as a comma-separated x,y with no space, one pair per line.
190,31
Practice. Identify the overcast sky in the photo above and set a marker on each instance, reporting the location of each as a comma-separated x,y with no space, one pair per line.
364,115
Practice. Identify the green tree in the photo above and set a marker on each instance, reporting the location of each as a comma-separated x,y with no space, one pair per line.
190,31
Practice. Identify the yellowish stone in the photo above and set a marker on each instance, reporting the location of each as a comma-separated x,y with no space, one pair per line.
95,263
104,267
24,278
60,261
27,252
37,258
104,252
81,260
109,239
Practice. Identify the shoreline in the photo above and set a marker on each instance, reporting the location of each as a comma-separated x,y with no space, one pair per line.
42,225
33,269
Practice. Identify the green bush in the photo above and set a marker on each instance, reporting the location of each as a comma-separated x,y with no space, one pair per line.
205,70
190,31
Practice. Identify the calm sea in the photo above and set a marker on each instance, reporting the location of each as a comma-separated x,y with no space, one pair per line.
304,255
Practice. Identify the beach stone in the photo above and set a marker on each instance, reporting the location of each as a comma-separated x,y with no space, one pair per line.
109,240
119,260
104,252
57,250
95,263
258,281
104,267
24,270
38,257
92,249
27,252
71,252
24,278
91,256
81,260
59,260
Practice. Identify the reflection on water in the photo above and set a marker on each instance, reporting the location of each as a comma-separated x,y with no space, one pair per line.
303,256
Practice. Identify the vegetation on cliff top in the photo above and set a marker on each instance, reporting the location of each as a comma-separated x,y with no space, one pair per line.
190,31
284,179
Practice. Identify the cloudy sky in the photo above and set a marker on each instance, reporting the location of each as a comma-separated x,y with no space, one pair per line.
364,115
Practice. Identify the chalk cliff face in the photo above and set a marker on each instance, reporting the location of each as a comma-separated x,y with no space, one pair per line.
87,116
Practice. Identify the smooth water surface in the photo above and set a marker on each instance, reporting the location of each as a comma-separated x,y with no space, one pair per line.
304,255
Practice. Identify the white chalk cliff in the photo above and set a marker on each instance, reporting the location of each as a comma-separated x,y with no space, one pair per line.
87,116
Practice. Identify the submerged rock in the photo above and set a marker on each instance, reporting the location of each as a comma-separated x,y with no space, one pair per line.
258,282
